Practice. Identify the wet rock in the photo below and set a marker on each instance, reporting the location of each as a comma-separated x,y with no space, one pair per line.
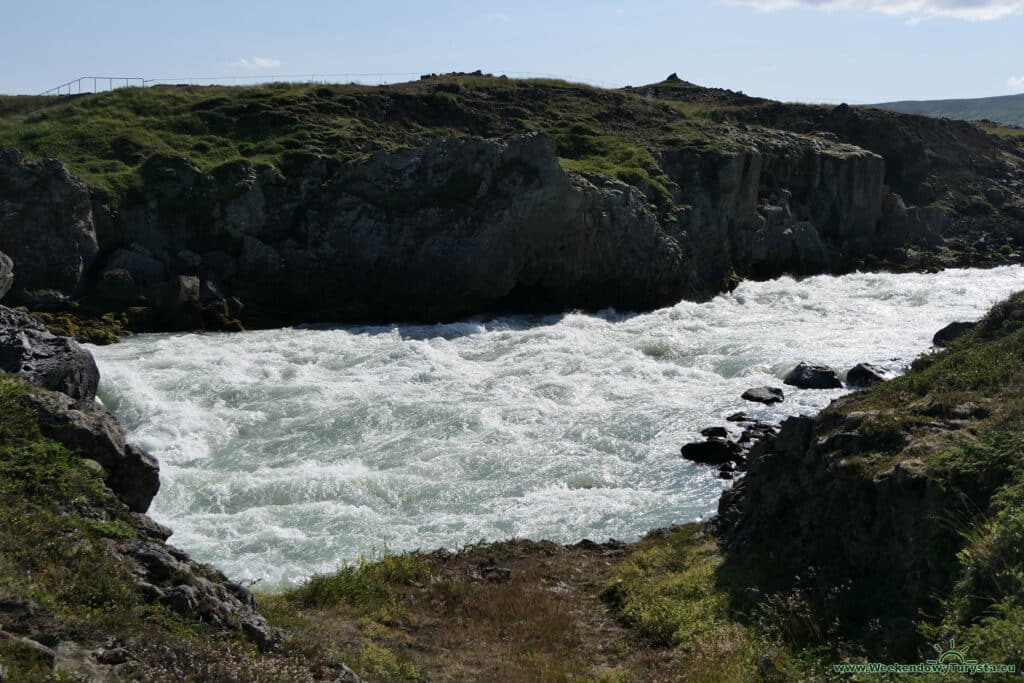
715,432
715,451
738,417
951,332
865,375
29,351
766,395
756,431
807,376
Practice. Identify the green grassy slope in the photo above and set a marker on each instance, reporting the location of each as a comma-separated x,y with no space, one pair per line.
104,138
1008,109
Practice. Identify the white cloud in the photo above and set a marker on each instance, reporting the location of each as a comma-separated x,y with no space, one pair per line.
970,10
1016,82
258,63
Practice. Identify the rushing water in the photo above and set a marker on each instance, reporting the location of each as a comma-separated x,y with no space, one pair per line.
287,452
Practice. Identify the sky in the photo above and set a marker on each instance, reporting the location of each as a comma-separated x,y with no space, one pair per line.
856,51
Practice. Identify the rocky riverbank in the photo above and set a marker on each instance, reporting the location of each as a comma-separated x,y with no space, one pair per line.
88,584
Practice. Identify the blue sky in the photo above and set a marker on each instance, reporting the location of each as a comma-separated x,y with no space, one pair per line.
802,50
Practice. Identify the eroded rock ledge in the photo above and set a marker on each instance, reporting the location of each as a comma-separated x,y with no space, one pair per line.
451,228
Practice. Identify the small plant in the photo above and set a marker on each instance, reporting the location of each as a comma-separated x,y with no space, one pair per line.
367,587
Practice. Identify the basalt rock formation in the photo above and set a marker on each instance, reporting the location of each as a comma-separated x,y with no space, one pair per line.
498,217
46,224
452,228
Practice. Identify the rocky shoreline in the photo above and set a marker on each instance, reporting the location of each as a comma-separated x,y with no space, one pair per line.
60,381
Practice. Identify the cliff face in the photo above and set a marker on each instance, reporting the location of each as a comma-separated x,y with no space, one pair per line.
451,228
46,223
893,512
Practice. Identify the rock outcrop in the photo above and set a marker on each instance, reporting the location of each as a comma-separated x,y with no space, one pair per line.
46,224
65,379
801,502
47,361
6,274
87,428
449,228
951,332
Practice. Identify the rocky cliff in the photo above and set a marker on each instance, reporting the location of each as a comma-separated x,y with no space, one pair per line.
451,223
456,227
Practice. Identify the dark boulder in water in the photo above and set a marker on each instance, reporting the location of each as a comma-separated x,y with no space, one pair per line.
807,376
714,451
864,375
766,395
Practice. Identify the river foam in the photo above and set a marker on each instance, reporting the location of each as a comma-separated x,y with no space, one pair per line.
287,452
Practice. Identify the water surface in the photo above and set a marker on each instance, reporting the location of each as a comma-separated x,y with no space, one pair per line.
286,452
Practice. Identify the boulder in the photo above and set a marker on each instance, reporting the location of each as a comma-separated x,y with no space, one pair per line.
766,395
951,332
714,451
137,479
6,274
865,374
167,575
29,351
807,376
90,430
715,432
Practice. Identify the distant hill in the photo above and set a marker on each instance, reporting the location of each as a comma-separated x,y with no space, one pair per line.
1008,109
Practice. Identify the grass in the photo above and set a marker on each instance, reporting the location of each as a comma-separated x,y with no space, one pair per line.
100,329
106,138
673,592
